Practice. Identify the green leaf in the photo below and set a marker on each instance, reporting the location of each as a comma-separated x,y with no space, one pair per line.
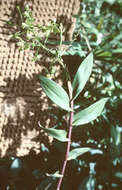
82,75
119,175
117,50
89,114
77,152
111,2
104,54
55,175
55,92
56,133
116,136
75,49
16,164
88,183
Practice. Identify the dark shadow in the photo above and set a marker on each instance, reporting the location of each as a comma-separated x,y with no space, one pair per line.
72,62
21,109
67,23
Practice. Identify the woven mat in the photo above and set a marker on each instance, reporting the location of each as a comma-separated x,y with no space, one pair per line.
22,102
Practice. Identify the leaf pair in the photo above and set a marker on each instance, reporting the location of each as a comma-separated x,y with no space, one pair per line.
58,95
61,135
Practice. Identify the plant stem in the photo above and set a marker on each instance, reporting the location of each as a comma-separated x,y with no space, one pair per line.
69,135
21,17
87,40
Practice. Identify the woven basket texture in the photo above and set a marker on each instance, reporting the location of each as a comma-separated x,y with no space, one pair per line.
22,101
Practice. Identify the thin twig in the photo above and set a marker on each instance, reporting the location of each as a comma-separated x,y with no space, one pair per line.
86,39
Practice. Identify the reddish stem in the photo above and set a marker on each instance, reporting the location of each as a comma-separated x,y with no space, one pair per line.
69,136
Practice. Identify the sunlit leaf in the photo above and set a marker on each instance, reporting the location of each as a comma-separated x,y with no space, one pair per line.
16,166
95,151
117,50
55,92
116,145
77,152
55,175
111,2
58,134
17,163
116,135
82,75
89,114
44,148
119,175
104,54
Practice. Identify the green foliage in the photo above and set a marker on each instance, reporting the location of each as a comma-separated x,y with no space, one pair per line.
115,144
89,114
56,133
77,152
98,29
88,183
55,92
36,37
58,95
82,75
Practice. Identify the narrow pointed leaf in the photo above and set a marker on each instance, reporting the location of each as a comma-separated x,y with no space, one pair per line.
17,163
77,152
89,114
55,92
56,133
82,75
56,175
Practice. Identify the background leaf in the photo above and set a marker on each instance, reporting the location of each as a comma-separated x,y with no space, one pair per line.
55,92
55,175
82,75
56,133
88,183
89,114
77,152
16,164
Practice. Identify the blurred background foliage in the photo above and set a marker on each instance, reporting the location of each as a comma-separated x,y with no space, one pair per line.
98,29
